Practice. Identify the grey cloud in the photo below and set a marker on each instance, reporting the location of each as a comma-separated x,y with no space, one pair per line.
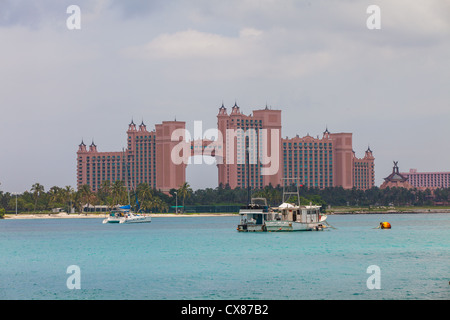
139,8
36,14
62,86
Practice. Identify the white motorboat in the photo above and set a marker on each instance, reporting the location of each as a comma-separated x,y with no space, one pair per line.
125,215
254,216
286,217
296,218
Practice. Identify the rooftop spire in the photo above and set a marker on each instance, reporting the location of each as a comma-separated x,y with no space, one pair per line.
132,125
82,146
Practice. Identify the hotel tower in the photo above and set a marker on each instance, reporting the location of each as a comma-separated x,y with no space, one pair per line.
251,149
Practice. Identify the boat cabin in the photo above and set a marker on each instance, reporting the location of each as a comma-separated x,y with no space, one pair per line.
304,214
254,215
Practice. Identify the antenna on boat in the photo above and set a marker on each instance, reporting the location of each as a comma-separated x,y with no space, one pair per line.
287,193
127,175
248,170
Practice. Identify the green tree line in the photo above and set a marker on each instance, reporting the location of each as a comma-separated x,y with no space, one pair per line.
37,199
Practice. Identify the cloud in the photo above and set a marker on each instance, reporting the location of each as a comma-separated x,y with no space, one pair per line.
315,60
251,53
131,9
36,15
190,44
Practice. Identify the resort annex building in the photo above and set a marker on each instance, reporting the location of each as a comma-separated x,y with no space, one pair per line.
323,162
431,180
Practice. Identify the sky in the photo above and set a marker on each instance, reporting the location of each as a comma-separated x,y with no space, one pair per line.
154,61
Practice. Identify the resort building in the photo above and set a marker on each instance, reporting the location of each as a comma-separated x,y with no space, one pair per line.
431,180
396,179
364,171
327,162
251,149
147,159
233,169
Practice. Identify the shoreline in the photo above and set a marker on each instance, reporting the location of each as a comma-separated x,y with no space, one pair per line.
104,215
400,211
63,215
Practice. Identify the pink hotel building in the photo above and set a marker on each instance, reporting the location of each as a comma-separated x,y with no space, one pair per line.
431,180
314,162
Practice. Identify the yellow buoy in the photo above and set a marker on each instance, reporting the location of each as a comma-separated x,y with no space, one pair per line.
385,225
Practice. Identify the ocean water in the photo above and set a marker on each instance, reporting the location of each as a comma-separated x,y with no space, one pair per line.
206,258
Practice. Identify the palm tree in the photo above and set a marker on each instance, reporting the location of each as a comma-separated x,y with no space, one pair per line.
144,194
146,205
160,205
144,191
78,201
185,191
37,190
68,193
55,195
118,191
105,190
87,195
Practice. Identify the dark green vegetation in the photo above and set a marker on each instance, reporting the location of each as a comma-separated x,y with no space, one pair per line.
151,200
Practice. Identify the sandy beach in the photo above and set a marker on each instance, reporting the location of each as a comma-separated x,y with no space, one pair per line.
399,211
63,215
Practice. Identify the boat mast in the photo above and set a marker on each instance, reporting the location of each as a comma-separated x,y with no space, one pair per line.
127,176
248,170
287,194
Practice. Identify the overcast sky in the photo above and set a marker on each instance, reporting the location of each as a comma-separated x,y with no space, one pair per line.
156,60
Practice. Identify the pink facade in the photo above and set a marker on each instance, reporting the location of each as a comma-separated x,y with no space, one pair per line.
232,168
147,159
343,160
93,167
309,161
315,162
364,171
327,162
431,180
168,174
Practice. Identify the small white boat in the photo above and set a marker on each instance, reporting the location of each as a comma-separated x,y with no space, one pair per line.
254,216
296,218
125,215
258,217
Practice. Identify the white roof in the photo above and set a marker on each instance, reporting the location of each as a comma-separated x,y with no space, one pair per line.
286,205
313,207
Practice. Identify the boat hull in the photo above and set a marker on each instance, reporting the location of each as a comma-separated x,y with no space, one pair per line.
111,220
286,226
251,228
137,219
279,226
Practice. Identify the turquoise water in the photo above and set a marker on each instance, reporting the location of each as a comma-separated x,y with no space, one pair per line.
206,258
